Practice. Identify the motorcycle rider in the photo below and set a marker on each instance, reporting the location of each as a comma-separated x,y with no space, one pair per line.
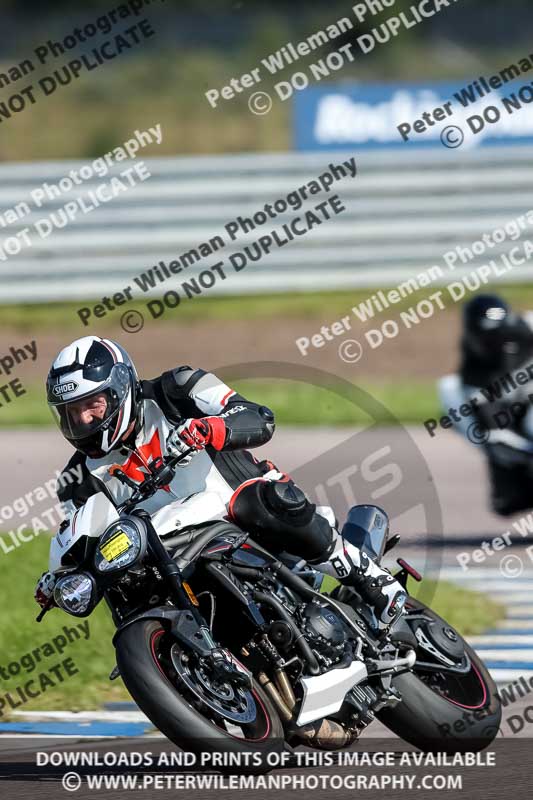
116,421
496,344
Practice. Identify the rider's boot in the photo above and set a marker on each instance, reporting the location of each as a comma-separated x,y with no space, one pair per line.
377,587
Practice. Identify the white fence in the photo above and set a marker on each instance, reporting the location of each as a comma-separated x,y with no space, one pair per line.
405,209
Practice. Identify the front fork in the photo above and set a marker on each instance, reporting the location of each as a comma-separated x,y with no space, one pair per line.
170,572
187,624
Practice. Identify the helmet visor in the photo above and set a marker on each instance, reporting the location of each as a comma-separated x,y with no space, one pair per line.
82,417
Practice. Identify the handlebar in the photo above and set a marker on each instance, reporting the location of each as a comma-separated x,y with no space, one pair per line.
162,472
45,609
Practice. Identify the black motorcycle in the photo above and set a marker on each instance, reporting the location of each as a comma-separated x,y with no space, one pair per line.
227,647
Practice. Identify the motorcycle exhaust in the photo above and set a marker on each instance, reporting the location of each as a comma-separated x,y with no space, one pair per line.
285,688
283,709
325,734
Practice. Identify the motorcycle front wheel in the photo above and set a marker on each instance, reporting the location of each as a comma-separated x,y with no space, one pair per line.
191,709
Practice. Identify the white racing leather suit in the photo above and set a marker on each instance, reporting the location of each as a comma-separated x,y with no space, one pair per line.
258,497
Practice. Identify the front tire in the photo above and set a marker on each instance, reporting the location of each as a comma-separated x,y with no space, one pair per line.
146,667
459,715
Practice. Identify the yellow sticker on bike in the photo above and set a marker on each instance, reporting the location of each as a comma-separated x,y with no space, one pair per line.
115,546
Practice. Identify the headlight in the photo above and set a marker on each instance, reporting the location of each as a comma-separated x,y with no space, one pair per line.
121,545
76,594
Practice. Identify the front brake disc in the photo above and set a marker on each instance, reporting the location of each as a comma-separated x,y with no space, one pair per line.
234,703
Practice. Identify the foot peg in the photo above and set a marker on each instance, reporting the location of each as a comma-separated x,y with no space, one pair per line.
406,571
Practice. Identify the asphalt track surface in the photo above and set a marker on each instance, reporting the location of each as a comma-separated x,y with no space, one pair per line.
22,779
436,493
449,472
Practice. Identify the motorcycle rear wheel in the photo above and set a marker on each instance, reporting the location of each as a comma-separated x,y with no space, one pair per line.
452,714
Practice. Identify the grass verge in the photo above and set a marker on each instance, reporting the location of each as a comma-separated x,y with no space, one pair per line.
94,657
324,307
294,403
468,612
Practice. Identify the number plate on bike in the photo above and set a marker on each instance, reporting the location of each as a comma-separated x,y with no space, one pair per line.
114,548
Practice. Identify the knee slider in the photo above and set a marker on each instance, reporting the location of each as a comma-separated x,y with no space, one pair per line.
271,505
287,503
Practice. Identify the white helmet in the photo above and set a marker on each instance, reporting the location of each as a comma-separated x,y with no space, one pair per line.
89,367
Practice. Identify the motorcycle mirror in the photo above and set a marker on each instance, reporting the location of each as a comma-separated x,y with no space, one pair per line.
392,542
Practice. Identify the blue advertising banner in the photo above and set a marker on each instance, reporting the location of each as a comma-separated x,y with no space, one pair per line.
489,110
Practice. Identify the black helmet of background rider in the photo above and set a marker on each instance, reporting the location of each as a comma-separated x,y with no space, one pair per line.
492,332
87,368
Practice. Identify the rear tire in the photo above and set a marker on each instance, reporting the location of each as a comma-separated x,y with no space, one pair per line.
140,650
433,722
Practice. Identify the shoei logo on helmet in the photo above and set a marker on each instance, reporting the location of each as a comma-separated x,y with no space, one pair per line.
65,388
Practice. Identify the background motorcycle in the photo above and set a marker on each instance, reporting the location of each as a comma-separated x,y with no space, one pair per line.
502,427
226,647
